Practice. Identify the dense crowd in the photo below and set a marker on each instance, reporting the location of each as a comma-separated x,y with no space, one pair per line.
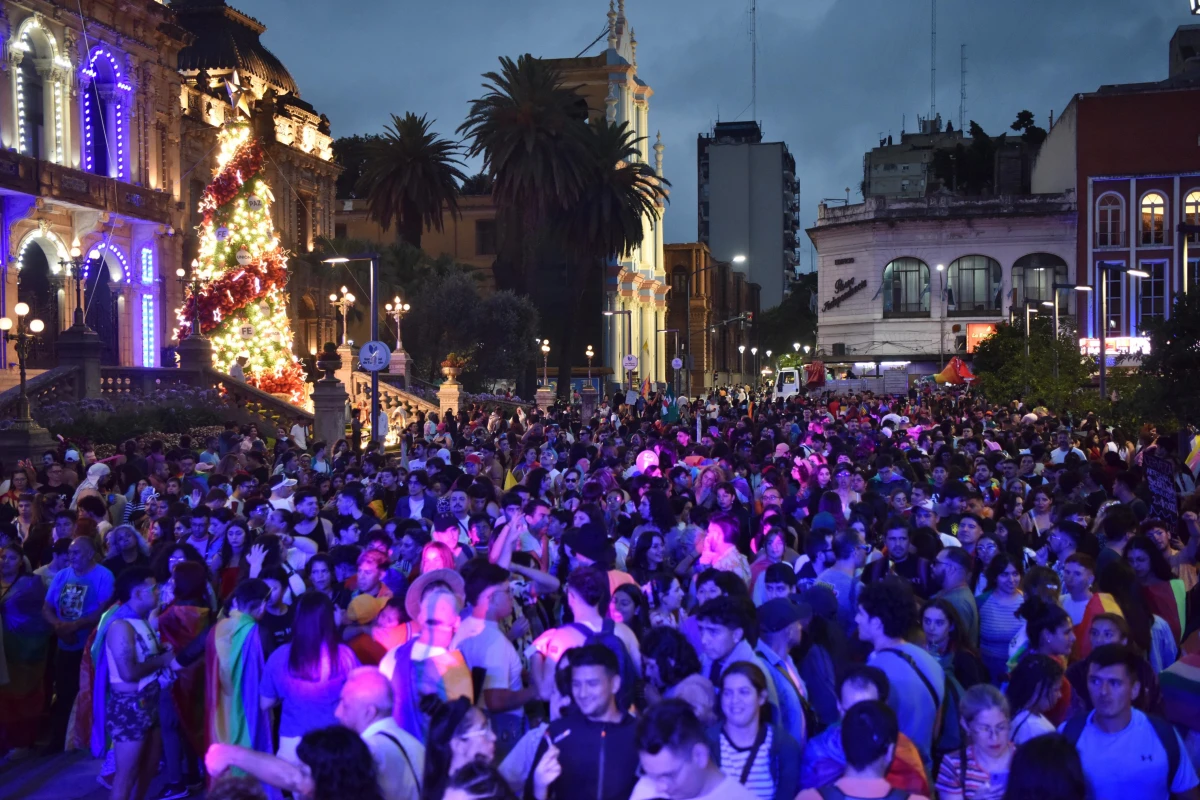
834,597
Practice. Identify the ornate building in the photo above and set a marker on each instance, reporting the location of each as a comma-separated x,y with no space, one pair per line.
636,285
90,162
106,127
225,47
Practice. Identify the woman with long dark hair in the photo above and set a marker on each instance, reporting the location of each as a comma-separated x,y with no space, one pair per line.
459,734
671,669
628,605
1034,688
1046,768
998,605
946,640
665,595
307,673
648,557
1163,593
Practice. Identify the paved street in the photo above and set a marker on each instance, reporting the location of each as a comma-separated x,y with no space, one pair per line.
71,776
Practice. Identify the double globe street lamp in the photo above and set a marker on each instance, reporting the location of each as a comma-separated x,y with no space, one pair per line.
21,341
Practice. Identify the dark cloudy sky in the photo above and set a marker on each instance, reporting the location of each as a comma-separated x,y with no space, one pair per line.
832,74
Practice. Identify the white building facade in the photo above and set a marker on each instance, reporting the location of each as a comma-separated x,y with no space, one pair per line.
883,302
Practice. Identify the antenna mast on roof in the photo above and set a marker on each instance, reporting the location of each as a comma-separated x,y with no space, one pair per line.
962,92
754,60
933,60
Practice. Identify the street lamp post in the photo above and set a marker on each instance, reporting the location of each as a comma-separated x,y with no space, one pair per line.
754,359
590,355
546,363
1104,268
741,366
941,270
343,305
74,268
397,309
1057,287
690,276
21,342
373,258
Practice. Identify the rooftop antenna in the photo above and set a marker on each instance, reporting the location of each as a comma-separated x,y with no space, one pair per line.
962,92
754,60
933,60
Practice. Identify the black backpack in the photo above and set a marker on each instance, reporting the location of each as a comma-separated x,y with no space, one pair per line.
831,792
607,638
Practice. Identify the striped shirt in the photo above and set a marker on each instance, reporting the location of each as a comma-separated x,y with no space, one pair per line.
998,624
980,784
733,763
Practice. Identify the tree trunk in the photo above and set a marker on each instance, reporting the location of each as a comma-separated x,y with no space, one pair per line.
411,226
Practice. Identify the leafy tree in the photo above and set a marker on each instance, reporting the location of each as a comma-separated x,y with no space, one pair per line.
607,220
411,177
793,320
506,329
1005,374
350,152
1169,385
479,184
1030,132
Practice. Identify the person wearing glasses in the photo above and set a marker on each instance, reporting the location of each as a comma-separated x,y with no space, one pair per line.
980,770
675,758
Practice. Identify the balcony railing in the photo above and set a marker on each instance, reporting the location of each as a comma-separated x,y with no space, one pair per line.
1160,237
29,176
1111,239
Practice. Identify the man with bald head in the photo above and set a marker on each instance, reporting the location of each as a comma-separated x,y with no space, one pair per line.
366,708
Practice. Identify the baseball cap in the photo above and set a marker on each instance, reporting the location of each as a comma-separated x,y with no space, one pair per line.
824,521
777,614
474,459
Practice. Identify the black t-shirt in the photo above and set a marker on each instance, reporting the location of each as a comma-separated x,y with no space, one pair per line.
276,629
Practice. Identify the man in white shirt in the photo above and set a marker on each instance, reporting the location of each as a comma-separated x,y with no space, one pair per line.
1059,454
485,646
237,370
1124,752
366,707
299,434
1078,573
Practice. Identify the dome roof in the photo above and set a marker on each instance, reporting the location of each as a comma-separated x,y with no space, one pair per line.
225,39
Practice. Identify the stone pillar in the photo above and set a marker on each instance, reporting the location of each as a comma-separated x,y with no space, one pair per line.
588,398
329,400
79,346
450,393
195,353
399,366
348,358
544,397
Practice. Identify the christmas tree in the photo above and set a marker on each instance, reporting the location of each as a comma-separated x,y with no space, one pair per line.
242,272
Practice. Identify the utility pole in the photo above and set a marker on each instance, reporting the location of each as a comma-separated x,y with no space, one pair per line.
932,61
962,91
754,60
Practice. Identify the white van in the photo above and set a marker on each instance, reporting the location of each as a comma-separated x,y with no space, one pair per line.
787,383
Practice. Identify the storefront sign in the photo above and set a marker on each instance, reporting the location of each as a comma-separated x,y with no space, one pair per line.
977,332
1116,345
843,290
840,261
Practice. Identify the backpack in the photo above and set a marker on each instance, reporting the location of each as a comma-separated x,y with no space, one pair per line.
947,732
1163,729
607,638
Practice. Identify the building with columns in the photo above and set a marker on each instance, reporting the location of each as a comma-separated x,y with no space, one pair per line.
106,124
635,288
90,128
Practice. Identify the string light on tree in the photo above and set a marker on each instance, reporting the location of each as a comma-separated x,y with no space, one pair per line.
240,273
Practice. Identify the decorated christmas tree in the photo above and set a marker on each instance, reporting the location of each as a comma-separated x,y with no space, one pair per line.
242,271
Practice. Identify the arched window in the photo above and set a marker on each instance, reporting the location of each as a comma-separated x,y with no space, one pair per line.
1110,221
105,106
906,287
1153,225
149,341
1191,214
974,284
1034,275
39,86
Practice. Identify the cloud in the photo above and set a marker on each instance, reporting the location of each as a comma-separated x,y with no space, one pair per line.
832,74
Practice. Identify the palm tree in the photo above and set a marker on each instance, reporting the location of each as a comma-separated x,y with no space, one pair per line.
532,134
477,185
606,221
411,177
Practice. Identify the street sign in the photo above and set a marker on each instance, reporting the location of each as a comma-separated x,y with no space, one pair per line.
676,363
629,363
374,356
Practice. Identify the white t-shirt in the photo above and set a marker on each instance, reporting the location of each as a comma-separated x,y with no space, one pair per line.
1075,607
298,435
1027,725
1131,762
728,789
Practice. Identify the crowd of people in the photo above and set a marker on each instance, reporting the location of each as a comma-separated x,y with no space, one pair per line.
828,597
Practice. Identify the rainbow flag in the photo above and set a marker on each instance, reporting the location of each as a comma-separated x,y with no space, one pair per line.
1099,604
1193,459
